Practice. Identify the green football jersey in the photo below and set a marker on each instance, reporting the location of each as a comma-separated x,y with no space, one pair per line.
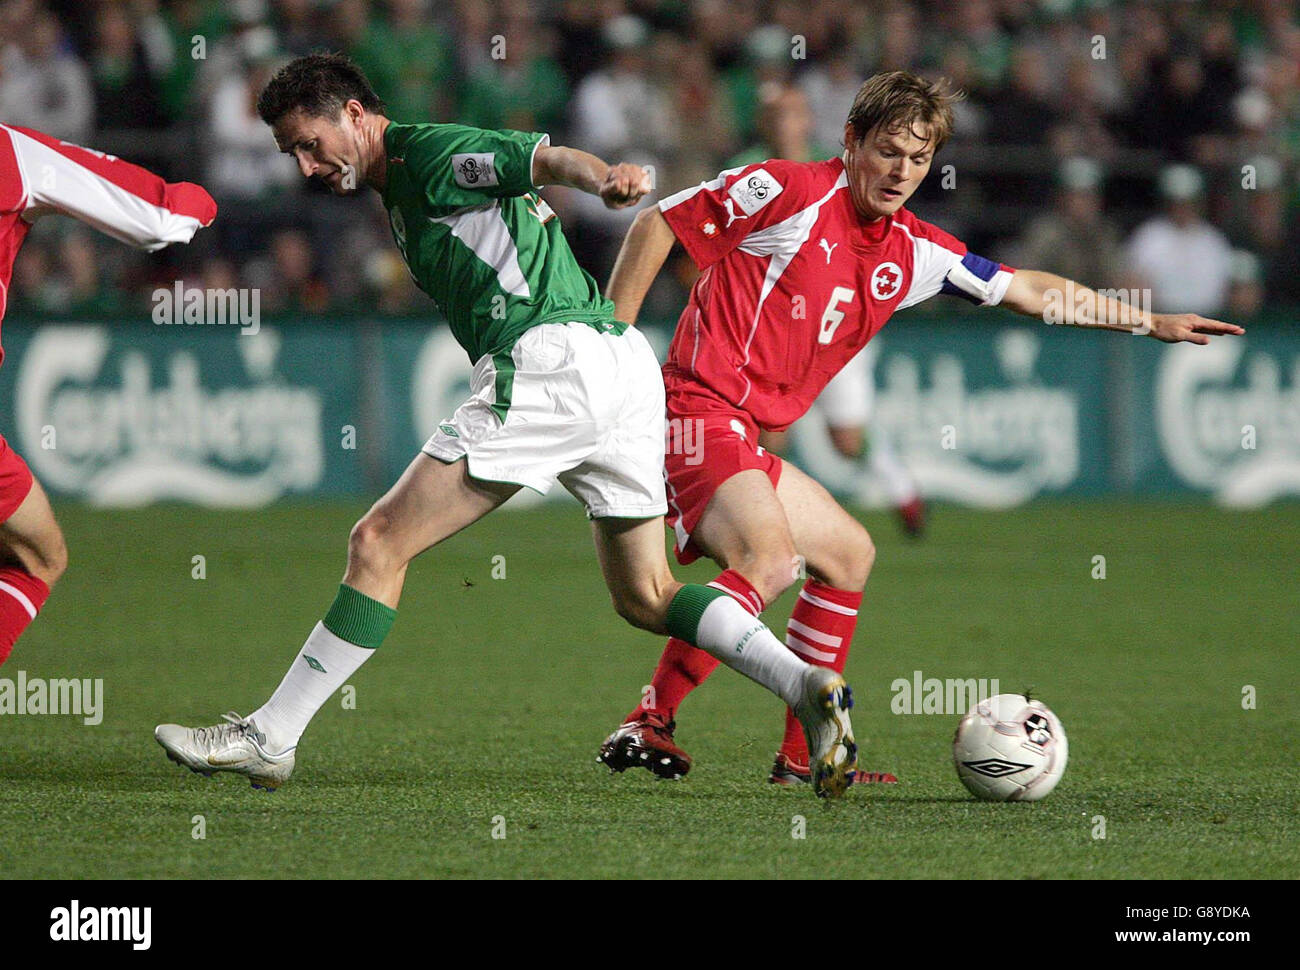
479,240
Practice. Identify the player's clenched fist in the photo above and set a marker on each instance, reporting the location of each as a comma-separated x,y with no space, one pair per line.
625,184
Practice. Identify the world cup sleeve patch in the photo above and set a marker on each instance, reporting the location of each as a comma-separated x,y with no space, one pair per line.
475,170
755,190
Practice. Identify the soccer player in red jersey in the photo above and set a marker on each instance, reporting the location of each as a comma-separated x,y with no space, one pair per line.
40,176
800,265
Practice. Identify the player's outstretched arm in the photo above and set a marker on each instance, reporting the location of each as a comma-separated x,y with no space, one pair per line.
645,247
1058,300
618,185
122,200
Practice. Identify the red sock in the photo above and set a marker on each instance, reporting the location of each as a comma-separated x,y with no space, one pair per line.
683,667
21,597
820,630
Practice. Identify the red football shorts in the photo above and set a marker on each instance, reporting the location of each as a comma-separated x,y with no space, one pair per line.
15,480
702,449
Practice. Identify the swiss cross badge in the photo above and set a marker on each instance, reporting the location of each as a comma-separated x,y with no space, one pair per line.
709,228
886,280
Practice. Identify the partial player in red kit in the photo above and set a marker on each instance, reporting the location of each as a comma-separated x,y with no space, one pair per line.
41,176
801,264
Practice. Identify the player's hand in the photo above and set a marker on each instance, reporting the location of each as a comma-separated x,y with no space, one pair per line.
625,184
1175,328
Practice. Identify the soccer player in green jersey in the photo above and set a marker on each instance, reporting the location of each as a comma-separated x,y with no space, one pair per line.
561,391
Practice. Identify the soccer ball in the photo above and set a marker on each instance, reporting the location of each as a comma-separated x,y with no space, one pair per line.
1010,749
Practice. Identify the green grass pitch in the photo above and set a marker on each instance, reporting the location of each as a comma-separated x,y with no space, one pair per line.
486,706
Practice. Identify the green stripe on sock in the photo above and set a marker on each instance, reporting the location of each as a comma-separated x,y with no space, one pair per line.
687,607
358,619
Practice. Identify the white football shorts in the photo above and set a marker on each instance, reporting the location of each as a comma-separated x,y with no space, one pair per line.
569,403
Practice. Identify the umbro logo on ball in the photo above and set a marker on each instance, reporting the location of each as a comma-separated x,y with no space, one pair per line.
995,767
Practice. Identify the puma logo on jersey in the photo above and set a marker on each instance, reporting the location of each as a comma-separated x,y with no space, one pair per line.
731,214
829,249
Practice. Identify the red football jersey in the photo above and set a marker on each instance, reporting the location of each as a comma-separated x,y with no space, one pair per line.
794,283
40,175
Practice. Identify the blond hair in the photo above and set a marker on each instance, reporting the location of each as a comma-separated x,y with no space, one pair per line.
899,101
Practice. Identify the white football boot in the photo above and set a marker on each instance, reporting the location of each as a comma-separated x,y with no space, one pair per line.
824,714
234,746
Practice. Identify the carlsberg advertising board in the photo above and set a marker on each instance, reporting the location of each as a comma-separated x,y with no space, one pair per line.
983,412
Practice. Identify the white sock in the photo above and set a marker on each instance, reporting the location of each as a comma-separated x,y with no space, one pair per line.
741,641
306,687
883,463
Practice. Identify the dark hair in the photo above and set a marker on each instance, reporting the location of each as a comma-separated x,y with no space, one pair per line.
898,100
318,84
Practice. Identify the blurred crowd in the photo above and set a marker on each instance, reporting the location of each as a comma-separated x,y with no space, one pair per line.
1123,143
